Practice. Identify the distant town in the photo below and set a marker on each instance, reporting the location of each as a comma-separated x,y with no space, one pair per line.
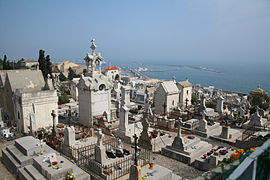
88,120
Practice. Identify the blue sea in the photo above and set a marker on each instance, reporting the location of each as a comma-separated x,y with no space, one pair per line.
238,77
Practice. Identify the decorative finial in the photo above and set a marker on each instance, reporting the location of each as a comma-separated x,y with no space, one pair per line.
259,86
93,46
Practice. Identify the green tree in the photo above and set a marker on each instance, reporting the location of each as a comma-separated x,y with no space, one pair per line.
63,99
71,74
42,62
260,99
194,99
48,65
62,77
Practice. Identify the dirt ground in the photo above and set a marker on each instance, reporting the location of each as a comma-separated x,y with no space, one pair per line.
4,173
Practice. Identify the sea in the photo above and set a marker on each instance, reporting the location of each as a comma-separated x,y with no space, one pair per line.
238,77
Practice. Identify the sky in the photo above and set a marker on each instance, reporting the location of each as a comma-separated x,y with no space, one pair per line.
143,30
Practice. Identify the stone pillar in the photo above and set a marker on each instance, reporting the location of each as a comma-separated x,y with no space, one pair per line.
219,107
69,136
54,128
100,155
125,95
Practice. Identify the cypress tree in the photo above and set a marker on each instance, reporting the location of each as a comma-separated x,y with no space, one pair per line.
42,62
48,68
5,63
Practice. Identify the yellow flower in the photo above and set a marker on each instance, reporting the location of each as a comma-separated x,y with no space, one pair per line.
235,155
241,151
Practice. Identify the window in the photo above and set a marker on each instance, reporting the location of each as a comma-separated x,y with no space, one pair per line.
173,102
187,92
102,87
18,115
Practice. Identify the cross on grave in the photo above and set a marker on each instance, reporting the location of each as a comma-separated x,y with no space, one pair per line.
53,130
69,116
186,102
99,136
135,147
179,123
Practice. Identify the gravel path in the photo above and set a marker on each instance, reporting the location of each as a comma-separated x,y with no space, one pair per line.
179,168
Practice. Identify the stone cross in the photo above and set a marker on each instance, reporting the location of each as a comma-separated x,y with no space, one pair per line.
179,123
186,102
99,136
69,116
135,147
53,130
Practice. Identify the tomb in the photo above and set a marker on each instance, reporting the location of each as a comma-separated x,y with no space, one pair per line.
94,90
184,149
256,120
152,139
30,158
227,135
70,144
206,129
126,130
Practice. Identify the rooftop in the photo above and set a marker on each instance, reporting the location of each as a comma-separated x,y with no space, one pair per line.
111,68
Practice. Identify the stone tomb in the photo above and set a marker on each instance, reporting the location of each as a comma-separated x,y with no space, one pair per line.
155,143
227,135
71,144
256,120
206,130
126,131
184,149
29,158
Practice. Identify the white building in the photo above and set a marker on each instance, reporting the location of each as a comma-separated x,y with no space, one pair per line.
94,90
28,100
170,94
113,72
29,63
166,97
185,90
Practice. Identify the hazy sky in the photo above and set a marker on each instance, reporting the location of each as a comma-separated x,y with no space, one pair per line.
146,30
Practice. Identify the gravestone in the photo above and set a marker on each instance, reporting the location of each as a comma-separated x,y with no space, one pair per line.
202,123
144,140
178,143
100,154
219,107
225,132
202,106
69,134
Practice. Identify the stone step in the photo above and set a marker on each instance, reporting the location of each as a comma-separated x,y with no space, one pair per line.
34,173
19,156
11,164
23,175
